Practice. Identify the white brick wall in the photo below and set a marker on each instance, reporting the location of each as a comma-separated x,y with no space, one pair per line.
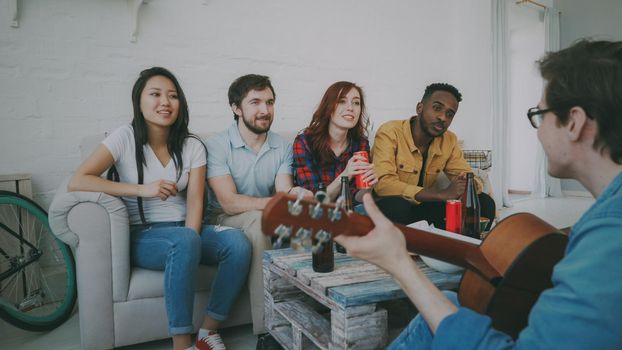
67,71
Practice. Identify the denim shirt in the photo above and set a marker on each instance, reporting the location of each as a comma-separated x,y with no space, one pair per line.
583,310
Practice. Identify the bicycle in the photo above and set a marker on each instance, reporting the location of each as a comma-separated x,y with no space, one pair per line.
37,270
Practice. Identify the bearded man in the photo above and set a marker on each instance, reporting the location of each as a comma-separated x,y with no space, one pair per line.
247,164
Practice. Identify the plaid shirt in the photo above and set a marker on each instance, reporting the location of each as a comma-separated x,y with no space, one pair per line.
307,172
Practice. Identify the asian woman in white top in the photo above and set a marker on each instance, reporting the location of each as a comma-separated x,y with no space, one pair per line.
158,168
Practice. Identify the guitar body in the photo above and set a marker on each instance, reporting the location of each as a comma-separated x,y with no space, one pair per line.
504,275
523,249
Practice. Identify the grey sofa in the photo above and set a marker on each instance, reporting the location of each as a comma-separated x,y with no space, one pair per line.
119,304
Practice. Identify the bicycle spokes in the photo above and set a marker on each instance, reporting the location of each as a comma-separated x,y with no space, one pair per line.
37,276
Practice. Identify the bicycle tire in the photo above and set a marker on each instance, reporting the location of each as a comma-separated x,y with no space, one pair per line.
56,293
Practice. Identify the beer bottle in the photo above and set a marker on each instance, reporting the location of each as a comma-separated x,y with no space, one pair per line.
345,192
347,195
324,258
470,209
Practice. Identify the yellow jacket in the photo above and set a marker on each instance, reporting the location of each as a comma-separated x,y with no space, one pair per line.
398,162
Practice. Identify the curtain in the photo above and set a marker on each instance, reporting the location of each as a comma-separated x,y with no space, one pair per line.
544,184
500,103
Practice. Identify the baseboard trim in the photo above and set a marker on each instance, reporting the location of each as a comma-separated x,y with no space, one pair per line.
578,194
518,192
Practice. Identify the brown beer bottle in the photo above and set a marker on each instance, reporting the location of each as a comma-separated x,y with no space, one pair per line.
470,209
345,192
324,258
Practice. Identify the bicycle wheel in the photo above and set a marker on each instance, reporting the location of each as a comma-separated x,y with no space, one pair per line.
37,271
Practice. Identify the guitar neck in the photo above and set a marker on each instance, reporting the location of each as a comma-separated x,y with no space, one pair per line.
451,250
280,211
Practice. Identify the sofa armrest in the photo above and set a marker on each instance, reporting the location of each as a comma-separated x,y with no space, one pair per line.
97,225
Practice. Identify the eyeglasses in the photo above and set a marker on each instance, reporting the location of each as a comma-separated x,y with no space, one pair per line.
535,116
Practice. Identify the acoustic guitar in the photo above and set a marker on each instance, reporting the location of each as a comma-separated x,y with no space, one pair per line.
504,275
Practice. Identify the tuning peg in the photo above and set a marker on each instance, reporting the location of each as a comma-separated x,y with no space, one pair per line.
300,239
321,238
300,245
316,211
303,233
283,231
296,208
334,214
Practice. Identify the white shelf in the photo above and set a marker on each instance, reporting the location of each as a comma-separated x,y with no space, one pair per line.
13,13
133,7
18,183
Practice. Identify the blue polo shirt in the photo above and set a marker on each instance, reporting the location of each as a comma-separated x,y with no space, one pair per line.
253,173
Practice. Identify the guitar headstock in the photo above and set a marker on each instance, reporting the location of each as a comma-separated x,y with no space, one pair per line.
303,220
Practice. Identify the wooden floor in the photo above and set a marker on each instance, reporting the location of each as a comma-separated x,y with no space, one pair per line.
560,212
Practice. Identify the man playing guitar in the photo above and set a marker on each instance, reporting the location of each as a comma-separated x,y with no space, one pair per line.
579,122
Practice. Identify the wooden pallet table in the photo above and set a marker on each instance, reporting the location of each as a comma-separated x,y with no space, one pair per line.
336,310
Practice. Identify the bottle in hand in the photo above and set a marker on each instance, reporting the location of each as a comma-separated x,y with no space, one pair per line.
470,209
347,195
324,258
345,192
358,179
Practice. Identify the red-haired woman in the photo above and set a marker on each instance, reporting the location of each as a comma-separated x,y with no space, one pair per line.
324,151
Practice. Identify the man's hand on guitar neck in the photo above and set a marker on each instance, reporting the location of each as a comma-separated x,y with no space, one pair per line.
385,246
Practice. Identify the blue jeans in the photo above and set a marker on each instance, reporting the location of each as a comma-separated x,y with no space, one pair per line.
360,209
178,250
418,334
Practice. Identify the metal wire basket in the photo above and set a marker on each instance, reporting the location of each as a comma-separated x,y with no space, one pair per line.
478,158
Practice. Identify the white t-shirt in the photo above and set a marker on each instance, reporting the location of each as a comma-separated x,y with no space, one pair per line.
120,143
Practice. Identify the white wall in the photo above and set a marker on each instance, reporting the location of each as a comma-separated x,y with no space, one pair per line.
526,31
67,71
597,19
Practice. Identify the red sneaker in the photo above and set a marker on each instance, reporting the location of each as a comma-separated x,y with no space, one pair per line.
211,342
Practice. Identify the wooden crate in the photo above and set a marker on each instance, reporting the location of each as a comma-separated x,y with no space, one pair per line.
336,310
